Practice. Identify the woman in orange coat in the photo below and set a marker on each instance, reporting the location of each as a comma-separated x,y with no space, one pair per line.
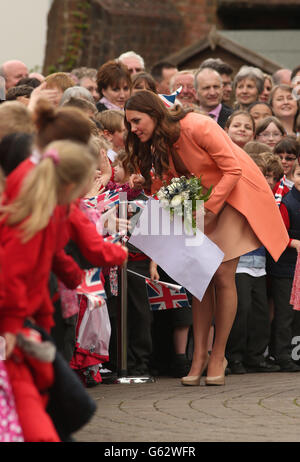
241,214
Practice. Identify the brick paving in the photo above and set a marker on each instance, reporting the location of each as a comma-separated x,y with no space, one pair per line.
249,408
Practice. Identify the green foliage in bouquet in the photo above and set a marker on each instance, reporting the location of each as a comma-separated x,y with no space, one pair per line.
181,196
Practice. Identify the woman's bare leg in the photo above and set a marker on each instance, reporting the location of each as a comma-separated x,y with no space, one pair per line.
202,319
220,301
224,314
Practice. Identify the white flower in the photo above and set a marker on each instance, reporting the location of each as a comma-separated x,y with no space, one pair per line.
177,200
164,203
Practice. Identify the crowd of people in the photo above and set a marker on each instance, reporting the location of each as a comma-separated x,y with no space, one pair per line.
69,142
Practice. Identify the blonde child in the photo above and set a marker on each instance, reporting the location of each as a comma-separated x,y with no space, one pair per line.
112,121
29,238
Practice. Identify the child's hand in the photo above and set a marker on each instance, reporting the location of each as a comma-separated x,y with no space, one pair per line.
42,91
112,223
154,275
97,187
10,342
104,164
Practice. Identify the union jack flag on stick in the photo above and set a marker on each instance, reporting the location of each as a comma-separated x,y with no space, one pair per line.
92,284
162,297
107,200
169,100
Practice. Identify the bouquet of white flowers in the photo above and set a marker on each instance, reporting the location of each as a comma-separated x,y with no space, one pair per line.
181,196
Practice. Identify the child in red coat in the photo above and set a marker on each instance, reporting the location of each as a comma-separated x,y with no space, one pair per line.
31,234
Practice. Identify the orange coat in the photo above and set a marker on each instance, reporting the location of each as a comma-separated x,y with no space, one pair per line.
205,149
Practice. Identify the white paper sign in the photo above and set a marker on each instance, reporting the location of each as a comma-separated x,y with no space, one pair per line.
191,260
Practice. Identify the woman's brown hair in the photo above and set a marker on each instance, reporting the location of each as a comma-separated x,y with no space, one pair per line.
288,144
155,152
112,73
144,77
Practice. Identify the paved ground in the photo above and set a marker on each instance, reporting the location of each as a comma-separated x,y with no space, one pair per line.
249,408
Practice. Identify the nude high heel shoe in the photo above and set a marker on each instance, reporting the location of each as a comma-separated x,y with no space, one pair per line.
219,379
194,380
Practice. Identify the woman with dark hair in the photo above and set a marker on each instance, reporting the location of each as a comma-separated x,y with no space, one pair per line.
143,81
114,85
260,110
241,214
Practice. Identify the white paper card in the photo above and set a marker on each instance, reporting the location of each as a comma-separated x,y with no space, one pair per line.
191,260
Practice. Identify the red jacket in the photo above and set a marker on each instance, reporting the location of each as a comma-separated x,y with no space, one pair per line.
27,266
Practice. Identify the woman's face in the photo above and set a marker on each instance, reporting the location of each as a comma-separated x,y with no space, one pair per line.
271,135
246,92
259,112
284,104
142,125
287,161
241,130
264,96
117,94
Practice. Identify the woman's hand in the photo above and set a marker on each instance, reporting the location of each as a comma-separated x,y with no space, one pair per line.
136,181
154,275
209,219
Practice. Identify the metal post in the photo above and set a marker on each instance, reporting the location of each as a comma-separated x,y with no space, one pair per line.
123,323
122,354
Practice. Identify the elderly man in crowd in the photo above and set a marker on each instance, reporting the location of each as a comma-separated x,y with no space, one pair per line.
13,71
134,62
209,90
184,79
282,76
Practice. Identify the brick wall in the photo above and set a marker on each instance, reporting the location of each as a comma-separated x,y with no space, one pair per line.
153,29
198,17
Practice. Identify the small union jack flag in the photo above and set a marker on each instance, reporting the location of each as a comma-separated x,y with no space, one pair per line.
113,238
169,100
107,200
91,201
162,297
92,284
